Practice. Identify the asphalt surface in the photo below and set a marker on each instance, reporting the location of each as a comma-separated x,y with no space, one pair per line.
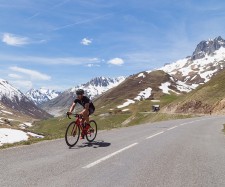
178,153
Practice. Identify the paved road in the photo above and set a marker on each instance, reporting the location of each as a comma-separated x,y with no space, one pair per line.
178,153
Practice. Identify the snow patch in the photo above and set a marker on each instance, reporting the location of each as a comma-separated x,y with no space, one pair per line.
183,87
35,135
207,75
149,71
6,112
128,102
12,136
25,125
144,94
165,87
126,109
141,75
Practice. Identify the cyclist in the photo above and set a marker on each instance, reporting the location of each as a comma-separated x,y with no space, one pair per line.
88,109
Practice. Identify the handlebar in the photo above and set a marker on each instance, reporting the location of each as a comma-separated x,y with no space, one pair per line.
75,115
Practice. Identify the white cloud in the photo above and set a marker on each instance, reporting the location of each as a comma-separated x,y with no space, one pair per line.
86,41
13,40
51,60
35,75
116,61
15,76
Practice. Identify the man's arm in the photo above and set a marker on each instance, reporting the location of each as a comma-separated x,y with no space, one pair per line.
72,108
86,108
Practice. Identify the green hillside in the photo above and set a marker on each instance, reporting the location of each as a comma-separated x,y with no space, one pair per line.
206,98
109,116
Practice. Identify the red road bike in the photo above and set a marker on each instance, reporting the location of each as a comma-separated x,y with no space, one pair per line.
75,128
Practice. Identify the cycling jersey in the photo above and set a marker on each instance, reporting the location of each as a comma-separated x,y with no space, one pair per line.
84,101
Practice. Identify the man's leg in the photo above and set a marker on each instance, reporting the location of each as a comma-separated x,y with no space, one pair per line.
86,117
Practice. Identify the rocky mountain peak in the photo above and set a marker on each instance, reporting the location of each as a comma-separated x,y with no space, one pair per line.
99,81
208,47
103,81
7,90
39,96
93,88
14,99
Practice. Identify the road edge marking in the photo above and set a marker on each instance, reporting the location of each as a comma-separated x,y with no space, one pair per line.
108,156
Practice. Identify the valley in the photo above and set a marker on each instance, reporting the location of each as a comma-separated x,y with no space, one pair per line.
190,87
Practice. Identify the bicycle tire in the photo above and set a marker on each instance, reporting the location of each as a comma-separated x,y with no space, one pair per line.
94,127
70,135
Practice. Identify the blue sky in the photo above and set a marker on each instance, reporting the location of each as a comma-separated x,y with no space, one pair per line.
60,43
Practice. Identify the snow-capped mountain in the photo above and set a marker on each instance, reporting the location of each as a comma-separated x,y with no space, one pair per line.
39,96
98,85
207,60
179,77
141,86
7,90
93,89
17,102
208,47
208,98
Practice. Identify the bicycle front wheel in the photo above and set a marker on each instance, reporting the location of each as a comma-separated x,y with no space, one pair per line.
72,134
92,131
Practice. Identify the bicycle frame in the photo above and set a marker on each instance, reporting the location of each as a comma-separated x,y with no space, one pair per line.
78,127
79,123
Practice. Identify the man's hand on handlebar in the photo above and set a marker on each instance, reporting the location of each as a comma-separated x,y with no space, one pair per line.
76,115
69,113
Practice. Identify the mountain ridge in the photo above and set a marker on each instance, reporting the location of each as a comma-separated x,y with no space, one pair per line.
39,96
195,70
183,76
207,98
207,47
15,100
93,88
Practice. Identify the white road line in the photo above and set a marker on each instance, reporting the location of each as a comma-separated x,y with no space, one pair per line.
108,156
172,128
155,135
128,147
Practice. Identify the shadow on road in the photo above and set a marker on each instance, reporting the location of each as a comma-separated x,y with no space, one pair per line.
95,144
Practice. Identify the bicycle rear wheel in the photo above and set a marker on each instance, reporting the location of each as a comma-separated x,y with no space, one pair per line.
72,134
92,131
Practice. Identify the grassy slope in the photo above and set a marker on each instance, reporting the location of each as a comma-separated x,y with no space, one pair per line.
107,119
13,121
205,98
107,114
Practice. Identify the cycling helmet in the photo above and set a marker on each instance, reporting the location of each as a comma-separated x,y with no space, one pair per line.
80,92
